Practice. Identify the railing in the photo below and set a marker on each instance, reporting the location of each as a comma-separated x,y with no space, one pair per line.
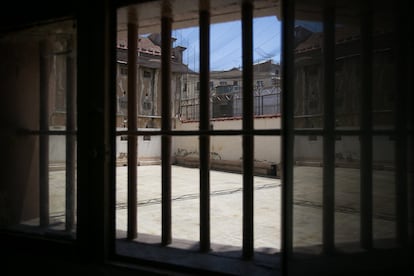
266,102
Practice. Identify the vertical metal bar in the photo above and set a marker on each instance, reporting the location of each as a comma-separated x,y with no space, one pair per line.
329,127
132,126
366,237
204,22
110,131
410,119
261,110
166,22
96,60
70,138
400,107
287,107
43,139
248,139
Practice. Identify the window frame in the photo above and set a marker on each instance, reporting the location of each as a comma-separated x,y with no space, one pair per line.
248,132
95,243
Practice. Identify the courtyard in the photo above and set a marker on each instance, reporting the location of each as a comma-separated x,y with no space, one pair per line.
226,206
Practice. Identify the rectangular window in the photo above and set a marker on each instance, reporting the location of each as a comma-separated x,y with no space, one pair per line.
124,70
39,196
161,181
344,192
198,194
147,74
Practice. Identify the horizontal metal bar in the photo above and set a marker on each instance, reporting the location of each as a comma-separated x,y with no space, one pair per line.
45,132
258,132
345,132
149,116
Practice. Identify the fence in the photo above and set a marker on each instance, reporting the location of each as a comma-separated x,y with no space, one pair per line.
266,102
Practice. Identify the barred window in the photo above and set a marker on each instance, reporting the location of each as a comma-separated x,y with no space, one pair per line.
40,197
133,172
163,203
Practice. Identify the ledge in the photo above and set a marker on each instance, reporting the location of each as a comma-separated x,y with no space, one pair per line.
185,254
261,168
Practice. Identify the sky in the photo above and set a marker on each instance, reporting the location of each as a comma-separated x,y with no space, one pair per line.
225,43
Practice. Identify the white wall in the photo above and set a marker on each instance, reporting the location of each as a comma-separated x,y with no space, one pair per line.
57,149
148,149
267,148
346,149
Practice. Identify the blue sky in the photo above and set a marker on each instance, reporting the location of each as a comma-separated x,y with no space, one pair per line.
225,43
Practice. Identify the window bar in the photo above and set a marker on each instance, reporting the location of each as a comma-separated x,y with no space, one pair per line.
166,22
70,138
401,144
204,145
329,126
248,139
132,126
366,238
287,107
43,139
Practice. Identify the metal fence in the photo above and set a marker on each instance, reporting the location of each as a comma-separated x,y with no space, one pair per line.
227,105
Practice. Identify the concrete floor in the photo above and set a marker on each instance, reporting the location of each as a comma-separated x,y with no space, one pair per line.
226,206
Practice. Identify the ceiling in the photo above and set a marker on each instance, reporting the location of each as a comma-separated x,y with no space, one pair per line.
185,13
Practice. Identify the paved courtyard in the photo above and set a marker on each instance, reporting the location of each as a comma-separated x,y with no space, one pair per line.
225,201
226,205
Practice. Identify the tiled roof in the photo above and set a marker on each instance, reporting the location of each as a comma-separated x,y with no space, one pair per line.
151,61
149,54
145,45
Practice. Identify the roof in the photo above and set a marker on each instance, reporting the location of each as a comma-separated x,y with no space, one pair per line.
145,45
232,73
149,54
261,67
151,61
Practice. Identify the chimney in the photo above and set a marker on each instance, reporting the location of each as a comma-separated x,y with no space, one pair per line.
177,53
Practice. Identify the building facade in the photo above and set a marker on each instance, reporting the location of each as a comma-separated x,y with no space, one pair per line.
309,98
148,81
226,92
